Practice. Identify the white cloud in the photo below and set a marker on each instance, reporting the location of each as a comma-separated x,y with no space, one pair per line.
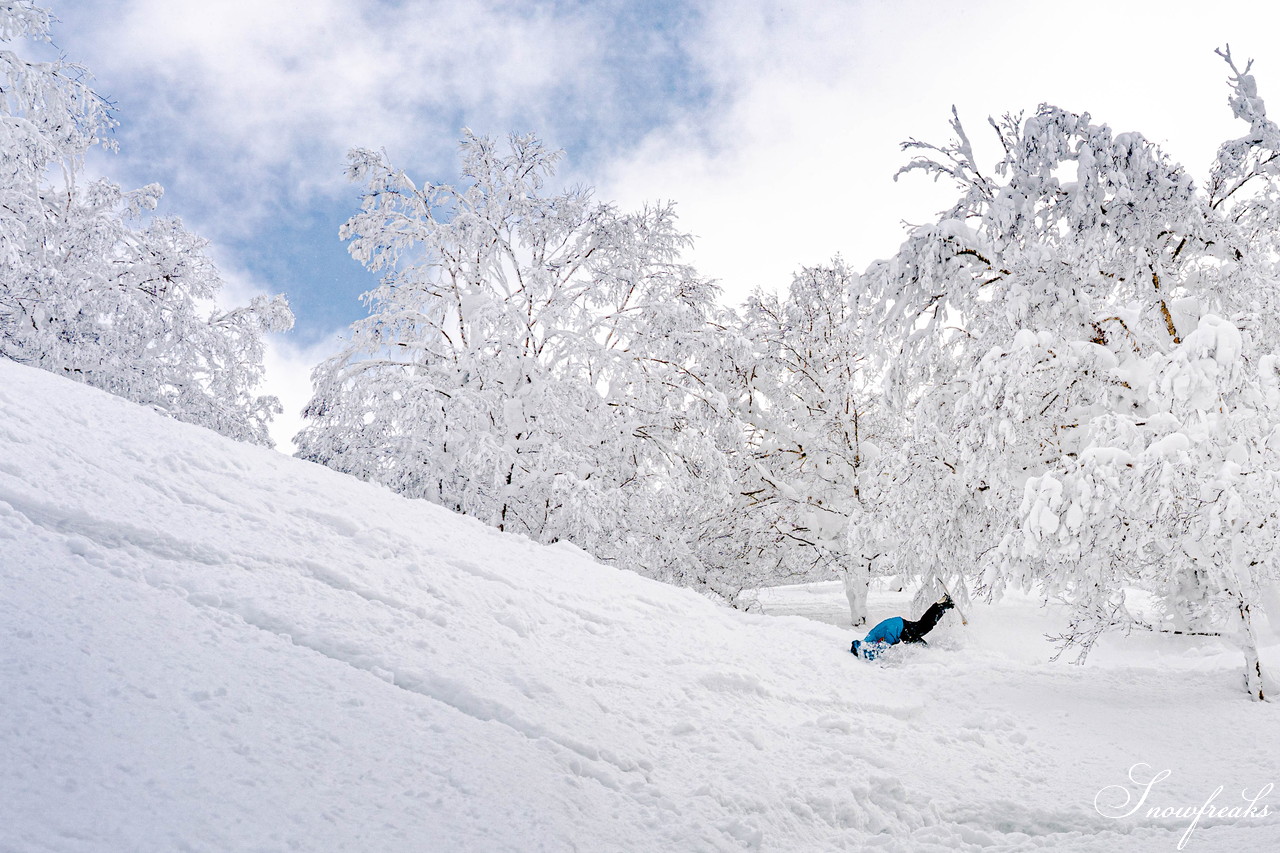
795,162
288,376
250,99
249,105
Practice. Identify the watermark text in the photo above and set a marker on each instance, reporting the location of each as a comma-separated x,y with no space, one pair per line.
1121,801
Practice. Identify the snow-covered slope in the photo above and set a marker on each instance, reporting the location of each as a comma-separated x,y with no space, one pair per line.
208,646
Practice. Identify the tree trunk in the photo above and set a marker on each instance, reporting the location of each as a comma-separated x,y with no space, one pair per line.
857,581
1249,643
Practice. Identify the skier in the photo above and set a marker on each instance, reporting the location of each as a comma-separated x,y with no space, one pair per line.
899,630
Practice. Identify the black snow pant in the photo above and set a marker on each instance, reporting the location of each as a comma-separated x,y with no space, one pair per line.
913,632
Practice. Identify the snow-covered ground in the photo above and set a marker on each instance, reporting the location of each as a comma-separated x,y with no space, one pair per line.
207,646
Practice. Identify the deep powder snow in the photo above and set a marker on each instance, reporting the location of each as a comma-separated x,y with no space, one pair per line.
208,646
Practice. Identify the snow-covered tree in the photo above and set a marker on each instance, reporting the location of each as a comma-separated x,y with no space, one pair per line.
1085,343
89,286
1179,491
812,474
532,359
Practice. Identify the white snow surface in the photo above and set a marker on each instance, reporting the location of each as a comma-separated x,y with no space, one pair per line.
208,646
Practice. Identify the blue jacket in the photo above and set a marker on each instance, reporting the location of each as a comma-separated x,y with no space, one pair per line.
879,638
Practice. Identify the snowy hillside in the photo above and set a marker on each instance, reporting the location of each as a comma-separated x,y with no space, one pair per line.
209,646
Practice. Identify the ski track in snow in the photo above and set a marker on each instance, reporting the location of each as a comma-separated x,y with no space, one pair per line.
206,646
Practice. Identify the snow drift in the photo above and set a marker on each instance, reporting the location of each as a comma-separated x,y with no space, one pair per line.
209,646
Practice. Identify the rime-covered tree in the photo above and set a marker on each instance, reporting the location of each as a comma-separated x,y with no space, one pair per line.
1178,491
813,471
90,286
1084,341
532,359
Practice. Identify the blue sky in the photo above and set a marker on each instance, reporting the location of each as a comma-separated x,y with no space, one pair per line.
247,127
773,125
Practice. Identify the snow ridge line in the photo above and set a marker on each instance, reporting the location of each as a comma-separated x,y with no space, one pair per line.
456,696
125,538
108,534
